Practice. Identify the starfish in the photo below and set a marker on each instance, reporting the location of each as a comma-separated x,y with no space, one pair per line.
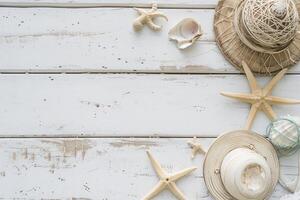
196,147
146,17
260,98
167,181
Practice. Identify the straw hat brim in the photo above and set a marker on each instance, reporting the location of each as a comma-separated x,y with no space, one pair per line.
235,51
228,142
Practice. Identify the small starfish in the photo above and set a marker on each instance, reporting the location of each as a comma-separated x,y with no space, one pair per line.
146,17
260,99
196,147
167,181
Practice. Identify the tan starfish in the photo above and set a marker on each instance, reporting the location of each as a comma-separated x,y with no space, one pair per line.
146,17
167,181
260,98
196,147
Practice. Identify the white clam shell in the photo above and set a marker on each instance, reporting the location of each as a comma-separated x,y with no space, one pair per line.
185,33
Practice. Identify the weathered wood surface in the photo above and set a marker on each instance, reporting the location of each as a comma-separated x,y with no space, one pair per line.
112,3
102,40
96,40
46,40
129,104
84,169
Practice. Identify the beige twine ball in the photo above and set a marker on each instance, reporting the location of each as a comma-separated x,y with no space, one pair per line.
271,24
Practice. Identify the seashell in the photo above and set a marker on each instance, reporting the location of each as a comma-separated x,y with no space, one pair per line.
284,134
185,33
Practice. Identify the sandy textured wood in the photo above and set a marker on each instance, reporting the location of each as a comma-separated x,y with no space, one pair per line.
130,105
88,169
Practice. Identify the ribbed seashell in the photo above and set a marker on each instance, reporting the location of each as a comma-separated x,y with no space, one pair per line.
185,33
284,134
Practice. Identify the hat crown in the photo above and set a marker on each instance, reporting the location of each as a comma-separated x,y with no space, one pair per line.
270,24
246,174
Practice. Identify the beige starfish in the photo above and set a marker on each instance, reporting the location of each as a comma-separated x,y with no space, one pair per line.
146,17
167,181
260,98
196,147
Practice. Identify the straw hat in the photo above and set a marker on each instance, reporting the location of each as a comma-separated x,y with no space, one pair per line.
241,165
262,32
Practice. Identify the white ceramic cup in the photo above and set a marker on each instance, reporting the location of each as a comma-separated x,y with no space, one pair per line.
245,174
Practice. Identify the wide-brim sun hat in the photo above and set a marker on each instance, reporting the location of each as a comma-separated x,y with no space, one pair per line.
241,165
264,33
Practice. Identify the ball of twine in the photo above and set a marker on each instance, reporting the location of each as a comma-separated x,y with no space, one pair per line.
270,24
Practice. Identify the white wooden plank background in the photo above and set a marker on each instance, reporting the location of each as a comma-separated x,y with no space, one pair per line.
114,3
99,40
54,41
129,105
97,168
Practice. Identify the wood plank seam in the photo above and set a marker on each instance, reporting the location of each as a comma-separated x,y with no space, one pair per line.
101,5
